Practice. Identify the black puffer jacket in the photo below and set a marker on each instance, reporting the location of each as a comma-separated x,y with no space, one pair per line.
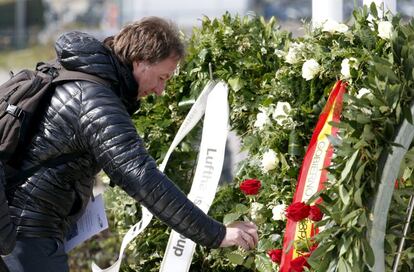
92,121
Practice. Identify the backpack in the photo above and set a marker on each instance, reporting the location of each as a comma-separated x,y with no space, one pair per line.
22,94
22,98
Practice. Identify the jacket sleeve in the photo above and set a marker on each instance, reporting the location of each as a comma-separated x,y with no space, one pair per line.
112,137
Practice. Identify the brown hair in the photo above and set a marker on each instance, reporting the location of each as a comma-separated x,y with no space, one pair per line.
151,39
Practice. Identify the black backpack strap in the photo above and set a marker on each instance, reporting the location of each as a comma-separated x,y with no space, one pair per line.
61,74
68,75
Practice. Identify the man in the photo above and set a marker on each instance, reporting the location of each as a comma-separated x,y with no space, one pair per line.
90,125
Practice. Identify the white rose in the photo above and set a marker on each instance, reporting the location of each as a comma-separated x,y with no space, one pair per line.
345,69
282,109
346,66
275,237
310,69
333,26
293,55
362,92
279,53
262,119
385,30
342,28
281,113
255,209
278,212
269,160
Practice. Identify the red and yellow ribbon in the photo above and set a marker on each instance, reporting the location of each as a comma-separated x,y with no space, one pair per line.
313,173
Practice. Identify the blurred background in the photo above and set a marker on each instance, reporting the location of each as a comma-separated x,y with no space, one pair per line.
29,27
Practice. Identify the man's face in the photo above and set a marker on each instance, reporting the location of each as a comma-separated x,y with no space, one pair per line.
151,78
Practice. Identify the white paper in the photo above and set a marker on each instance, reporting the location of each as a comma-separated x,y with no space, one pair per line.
92,222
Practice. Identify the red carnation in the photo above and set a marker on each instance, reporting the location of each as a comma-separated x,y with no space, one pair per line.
315,213
250,186
275,255
297,211
298,264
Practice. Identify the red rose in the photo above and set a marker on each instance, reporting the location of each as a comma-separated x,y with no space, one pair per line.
297,211
275,255
315,213
250,186
297,265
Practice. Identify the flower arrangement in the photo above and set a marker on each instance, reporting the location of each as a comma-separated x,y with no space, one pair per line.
278,87
276,138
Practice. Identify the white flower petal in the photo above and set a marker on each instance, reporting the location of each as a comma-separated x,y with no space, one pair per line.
385,30
362,92
262,119
269,160
333,26
294,54
278,212
345,68
310,69
255,210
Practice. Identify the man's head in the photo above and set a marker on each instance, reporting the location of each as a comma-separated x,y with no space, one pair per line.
152,48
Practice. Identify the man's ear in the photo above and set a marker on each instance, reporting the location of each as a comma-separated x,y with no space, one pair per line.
135,65
139,66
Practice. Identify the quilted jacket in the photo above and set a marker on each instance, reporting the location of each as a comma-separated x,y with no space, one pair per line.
93,122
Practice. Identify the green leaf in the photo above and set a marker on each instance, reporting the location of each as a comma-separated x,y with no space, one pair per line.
349,165
319,252
368,253
230,217
358,197
345,243
373,9
202,54
351,216
407,114
249,262
386,72
412,74
235,257
235,83
325,197
241,209
343,266
263,263
359,173
368,134
343,193
264,245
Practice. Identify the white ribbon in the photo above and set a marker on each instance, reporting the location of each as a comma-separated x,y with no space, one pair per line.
219,98
180,250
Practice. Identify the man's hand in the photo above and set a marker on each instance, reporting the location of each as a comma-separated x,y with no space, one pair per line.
243,234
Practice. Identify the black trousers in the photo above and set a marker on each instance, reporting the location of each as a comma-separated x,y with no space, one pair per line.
37,255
